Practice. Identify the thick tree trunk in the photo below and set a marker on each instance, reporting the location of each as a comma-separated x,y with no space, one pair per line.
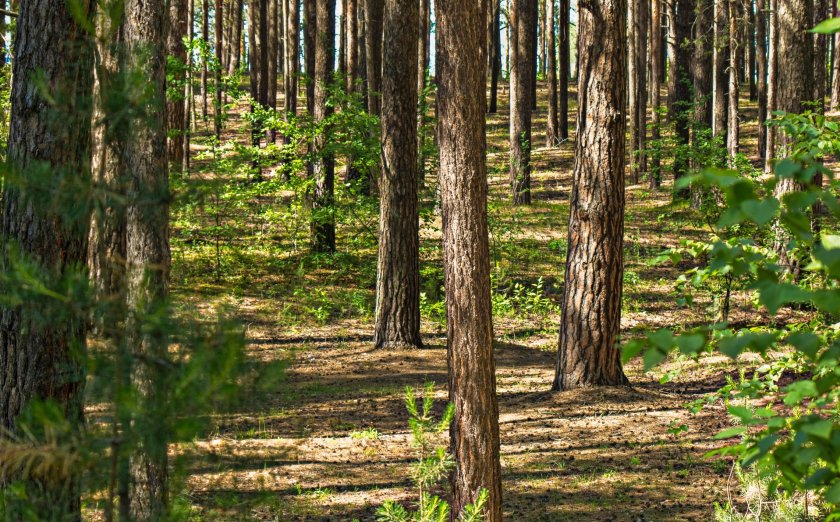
761,69
147,246
721,61
735,48
795,55
236,38
565,69
588,352
323,168
398,269
258,58
352,45
655,86
178,14
474,433
374,11
521,77
552,137
38,360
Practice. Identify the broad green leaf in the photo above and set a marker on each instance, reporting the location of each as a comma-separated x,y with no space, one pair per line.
690,343
731,432
821,428
761,211
830,26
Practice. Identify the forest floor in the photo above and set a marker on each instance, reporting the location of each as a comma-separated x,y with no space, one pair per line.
329,441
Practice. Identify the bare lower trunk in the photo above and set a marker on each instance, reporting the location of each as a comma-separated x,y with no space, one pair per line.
398,269
552,137
374,10
178,13
521,78
721,60
474,433
655,86
323,168
588,352
761,69
565,69
772,84
733,127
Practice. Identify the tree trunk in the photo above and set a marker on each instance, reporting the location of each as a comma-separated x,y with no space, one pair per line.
398,271
749,39
205,35
735,48
38,356
641,83
835,71
258,58
147,246
721,59
588,352
423,42
217,109
541,30
820,55
236,37
323,168
632,88
679,90
655,86
521,76
772,84
374,11
474,433
272,68
565,69
178,13
534,21
702,63
761,69
290,79
552,137
795,56
494,60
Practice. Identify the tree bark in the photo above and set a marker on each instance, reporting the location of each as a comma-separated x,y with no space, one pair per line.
565,69
761,69
678,86
702,63
721,59
398,269
217,109
273,57
374,12
641,82
521,77
552,137
205,36
290,79
474,433
258,57
236,38
39,358
749,41
588,352
178,13
632,86
323,168
772,84
835,71
795,56
147,245
494,61
735,49
655,86
820,55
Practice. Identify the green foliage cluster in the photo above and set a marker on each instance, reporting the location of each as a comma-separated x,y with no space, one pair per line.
792,440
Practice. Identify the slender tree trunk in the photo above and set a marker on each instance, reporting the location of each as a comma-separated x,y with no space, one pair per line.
735,48
588,352
258,60
424,24
188,92
398,269
218,109
679,88
655,86
721,59
205,35
374,10
749,39
533,23
474,433
38,357
633,90
761,69
835,70
541,30
272,54
641,83
772,84
820,55
147,247
290,79
702,63
236,41
352,51
178,13
521,77
565,69
795,55
495,59
323,168
552,137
